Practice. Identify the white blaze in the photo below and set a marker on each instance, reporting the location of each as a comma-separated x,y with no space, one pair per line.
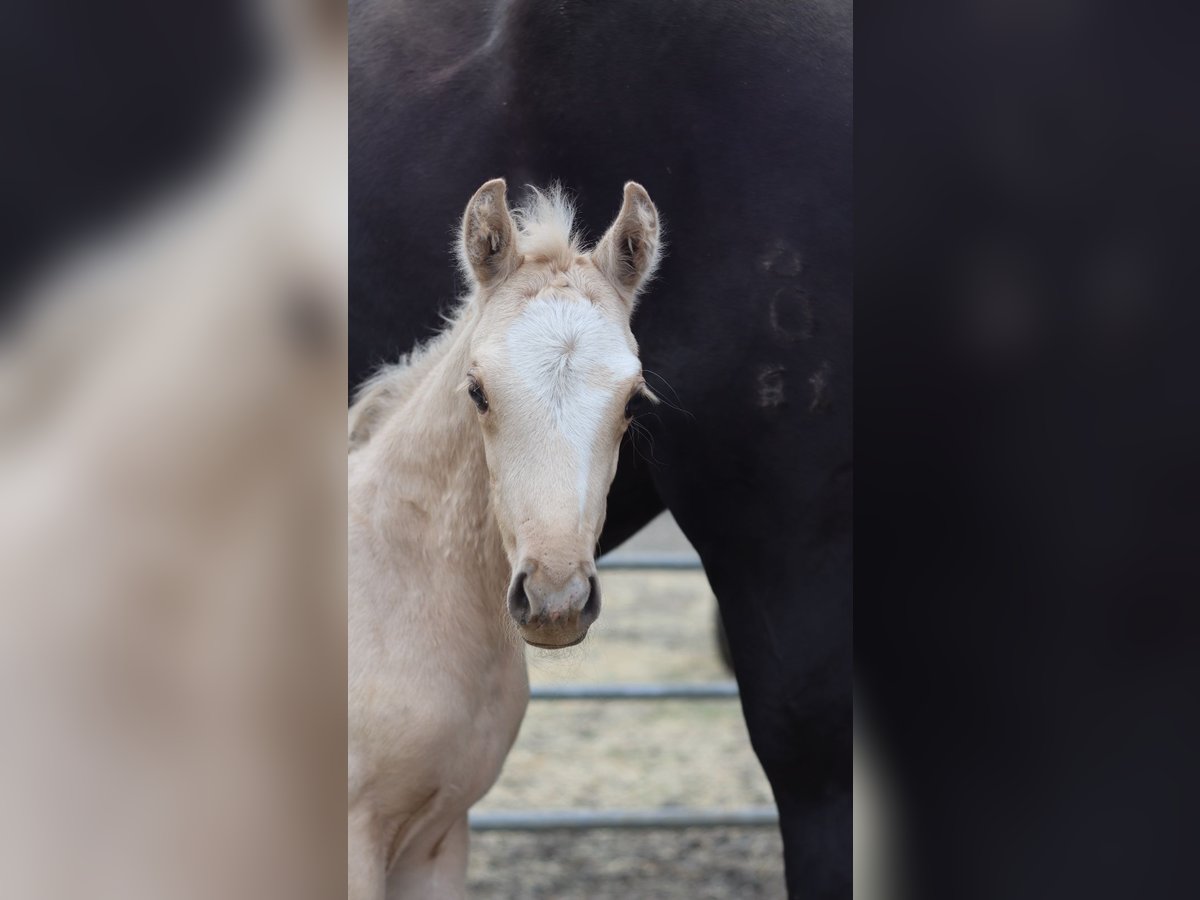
571,359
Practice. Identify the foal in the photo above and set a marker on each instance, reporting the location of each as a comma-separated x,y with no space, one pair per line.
478,471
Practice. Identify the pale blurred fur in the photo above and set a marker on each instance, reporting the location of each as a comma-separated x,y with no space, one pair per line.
171,568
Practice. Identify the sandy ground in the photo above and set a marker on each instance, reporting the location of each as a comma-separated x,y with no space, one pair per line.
654,626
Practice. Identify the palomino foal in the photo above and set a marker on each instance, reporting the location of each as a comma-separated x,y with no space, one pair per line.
478,476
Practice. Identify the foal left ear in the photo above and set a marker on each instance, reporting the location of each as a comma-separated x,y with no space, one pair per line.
489,235
628,252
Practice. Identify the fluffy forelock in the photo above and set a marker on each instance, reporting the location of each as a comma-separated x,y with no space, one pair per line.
546,226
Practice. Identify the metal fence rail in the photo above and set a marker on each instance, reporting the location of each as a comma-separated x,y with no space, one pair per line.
580,819
642,561
712,690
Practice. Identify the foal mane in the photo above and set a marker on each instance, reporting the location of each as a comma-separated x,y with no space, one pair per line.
546,233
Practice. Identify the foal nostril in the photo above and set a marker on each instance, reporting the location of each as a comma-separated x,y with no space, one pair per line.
518,602
591,609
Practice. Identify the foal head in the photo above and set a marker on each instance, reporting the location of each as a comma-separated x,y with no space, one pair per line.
553,370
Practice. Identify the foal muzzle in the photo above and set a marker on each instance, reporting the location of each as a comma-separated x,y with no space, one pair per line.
554,606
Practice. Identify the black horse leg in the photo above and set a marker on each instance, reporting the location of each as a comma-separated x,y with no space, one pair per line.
797,700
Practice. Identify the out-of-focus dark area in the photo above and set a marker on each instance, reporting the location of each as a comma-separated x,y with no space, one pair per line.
1027,414
106,105
172,450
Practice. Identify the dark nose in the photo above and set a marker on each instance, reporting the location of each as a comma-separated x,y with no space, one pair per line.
539,597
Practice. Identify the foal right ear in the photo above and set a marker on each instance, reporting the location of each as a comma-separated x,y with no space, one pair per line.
489,236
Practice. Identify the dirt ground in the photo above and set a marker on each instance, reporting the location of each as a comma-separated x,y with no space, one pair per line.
654,626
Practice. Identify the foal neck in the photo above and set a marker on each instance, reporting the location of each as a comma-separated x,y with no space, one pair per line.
421,477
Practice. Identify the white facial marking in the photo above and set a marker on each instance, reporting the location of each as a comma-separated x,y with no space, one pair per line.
565,351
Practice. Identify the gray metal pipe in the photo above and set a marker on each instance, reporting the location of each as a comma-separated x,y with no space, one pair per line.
651,691
672,561
579,819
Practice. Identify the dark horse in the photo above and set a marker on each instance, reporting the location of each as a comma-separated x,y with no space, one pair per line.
737,119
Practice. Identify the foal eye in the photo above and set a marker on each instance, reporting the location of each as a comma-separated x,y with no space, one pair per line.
478,396
636,403
633,406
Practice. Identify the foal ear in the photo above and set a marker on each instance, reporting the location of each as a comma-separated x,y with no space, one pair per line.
489,236
628,252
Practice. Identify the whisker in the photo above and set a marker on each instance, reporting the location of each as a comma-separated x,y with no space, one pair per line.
636,428
676,405
651,415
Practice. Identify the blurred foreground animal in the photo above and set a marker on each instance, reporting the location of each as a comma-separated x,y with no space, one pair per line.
737,118
171,529
479,468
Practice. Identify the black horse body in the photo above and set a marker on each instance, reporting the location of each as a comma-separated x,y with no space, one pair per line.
737,119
